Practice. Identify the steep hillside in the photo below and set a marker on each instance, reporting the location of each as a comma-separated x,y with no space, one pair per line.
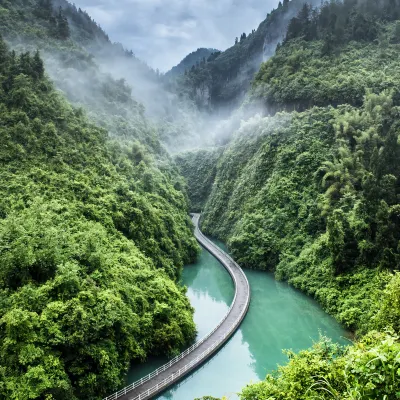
313,194
87,67
191,60
331,63
223,81
216,87
94,228
364,371
199,167
293,195
28,21
93,237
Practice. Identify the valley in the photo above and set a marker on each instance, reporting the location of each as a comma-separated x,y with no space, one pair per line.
287,143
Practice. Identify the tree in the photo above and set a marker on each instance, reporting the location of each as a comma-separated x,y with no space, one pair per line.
396,33
38,66
389,313
328,44
3,51
363,27
44,9
63,31
65,331
294,29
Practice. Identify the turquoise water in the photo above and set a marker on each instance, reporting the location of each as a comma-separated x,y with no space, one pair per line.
279,317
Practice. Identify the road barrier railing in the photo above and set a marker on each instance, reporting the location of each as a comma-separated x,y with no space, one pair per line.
221,256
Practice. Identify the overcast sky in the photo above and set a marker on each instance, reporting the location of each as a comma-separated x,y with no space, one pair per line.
163,32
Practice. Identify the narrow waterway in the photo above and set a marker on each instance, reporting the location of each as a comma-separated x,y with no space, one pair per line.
280,317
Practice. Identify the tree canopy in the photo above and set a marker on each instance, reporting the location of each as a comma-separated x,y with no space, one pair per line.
93,236
310,191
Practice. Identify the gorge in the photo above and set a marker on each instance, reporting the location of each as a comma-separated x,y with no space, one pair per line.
287,143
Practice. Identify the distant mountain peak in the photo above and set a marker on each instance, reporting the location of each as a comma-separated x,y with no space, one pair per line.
191,60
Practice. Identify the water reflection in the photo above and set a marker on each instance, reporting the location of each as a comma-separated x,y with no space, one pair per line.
210,278
210,291
279,318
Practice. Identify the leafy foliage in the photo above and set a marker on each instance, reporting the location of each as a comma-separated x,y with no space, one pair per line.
77,65
93,236
199,168
331,63
313,195
222,80
315,199
368,370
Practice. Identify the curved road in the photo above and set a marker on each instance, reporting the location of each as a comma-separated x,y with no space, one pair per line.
190,359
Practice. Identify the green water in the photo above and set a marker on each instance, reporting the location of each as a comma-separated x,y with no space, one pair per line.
280,317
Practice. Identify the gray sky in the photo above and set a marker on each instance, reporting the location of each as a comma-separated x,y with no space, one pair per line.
163,32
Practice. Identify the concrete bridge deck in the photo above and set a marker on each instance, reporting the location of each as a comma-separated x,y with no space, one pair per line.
170,373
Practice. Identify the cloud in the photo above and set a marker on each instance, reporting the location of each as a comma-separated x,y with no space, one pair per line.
163,32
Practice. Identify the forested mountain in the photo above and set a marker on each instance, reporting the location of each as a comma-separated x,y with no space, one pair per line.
94,228
191,60
85,65
224,79
115,87
28,21
332,56
314,194
211,93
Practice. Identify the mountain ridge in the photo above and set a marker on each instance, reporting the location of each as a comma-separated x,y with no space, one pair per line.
192,59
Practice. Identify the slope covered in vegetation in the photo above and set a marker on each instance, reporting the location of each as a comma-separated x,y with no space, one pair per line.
313,194
314,199
83,63
94,231
93,236
367,370
332,56
190,61
199,167
224,78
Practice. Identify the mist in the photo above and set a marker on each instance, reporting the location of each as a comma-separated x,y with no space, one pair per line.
121,92
181,122
163,33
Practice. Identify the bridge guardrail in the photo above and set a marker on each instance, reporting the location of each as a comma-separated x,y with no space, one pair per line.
212,248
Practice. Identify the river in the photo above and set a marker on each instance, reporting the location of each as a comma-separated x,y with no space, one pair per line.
280,317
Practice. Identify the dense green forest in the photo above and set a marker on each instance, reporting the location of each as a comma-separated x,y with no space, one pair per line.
367,370
199,167
115,88
93,236
91,71
191,61
331,56
222,80
94,226
312,193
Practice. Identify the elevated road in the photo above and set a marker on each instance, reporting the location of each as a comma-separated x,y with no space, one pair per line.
201,351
